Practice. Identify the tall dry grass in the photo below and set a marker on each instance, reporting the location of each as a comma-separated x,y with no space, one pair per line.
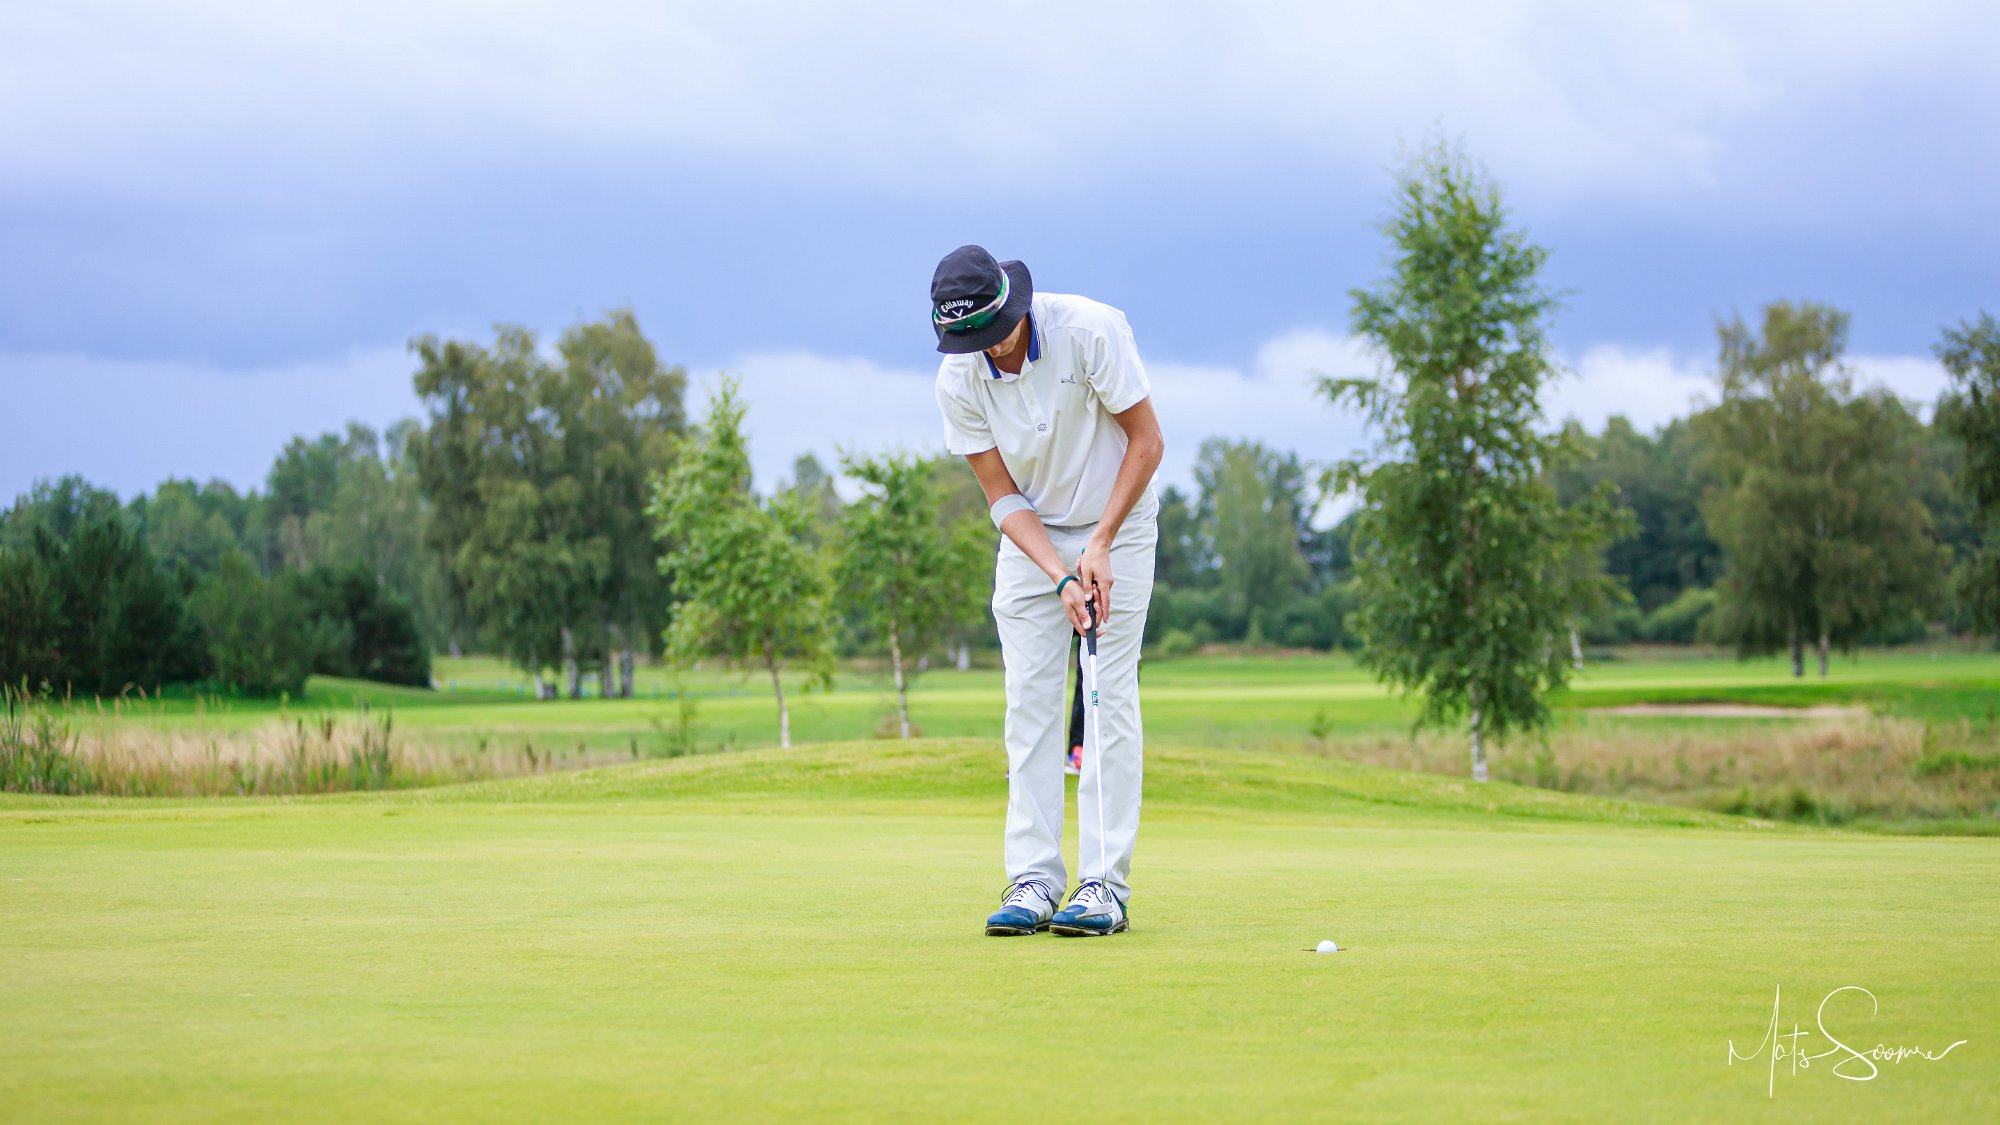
46,746
1875,770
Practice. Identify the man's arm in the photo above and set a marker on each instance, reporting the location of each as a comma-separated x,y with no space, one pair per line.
1025,528
1143,449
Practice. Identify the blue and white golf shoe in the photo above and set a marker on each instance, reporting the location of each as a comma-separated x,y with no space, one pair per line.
1025,909
1093,911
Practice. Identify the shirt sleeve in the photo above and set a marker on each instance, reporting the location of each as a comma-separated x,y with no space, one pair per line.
1116,374
965,429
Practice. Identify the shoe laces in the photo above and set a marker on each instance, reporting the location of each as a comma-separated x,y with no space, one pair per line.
1091,894
1020,893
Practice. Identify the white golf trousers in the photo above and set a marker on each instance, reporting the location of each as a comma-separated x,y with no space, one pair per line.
1034,645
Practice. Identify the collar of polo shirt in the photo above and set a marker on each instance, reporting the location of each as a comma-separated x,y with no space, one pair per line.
1034,351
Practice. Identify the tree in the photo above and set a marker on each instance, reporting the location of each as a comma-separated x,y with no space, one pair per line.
259,639
360,629
1817,509
302,481
620,413
816,497
748,586
536,473
182,524
1183,556
96,612
493,467
962,506
1463,553
1250,515
1970,412
1659,480
912,575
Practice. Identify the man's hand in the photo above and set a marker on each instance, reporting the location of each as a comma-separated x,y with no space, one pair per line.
1073,597
1093,572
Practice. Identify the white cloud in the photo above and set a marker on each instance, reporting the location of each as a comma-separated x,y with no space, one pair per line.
1917,379
1568,95
799,403
1648,386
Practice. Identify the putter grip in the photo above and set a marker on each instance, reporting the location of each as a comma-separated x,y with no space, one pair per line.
1090,634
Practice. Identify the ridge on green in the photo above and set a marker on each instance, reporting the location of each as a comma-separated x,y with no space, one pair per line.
795,934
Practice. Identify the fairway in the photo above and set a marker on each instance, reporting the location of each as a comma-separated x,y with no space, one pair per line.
783,934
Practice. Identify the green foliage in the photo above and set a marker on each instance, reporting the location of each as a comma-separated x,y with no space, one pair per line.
38,745
1679,622
1177,642
1242,561
188,524
1465,558
360,630
537,471
911,575
749,587
1183,555
1250,515
259,635
1816,504
87,609
1659,479
1970,412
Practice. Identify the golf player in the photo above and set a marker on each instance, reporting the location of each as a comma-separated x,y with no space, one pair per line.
1045,396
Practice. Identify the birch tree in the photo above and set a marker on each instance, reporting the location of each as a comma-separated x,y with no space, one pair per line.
748,588
1464,556
912,575
1823,532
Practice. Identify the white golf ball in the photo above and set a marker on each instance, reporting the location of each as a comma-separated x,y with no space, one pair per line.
1327,946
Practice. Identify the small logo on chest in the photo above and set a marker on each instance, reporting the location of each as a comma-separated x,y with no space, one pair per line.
1069,378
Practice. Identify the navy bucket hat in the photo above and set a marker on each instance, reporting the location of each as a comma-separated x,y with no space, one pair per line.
976,301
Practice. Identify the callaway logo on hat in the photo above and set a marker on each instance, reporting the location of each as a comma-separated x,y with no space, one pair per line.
976,301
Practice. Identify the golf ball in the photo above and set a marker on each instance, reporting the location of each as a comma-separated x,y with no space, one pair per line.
1327,946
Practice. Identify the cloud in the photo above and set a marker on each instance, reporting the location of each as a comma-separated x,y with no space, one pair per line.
128,424
1651,386
805,403
1565,95
1916,379
799,403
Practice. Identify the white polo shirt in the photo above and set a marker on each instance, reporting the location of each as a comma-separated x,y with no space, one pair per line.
1052,423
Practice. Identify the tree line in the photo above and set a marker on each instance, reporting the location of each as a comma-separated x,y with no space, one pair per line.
555,506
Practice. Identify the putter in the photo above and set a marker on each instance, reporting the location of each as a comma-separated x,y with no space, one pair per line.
1094,735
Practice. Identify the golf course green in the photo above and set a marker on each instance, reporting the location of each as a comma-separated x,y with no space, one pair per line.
795,934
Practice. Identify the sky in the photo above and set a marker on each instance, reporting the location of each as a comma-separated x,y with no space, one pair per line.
222,223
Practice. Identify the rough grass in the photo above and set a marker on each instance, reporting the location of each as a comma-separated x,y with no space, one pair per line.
794,934
1880,772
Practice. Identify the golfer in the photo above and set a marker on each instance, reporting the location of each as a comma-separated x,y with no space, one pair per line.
1044,395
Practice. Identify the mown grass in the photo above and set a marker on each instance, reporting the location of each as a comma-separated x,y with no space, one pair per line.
795,935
